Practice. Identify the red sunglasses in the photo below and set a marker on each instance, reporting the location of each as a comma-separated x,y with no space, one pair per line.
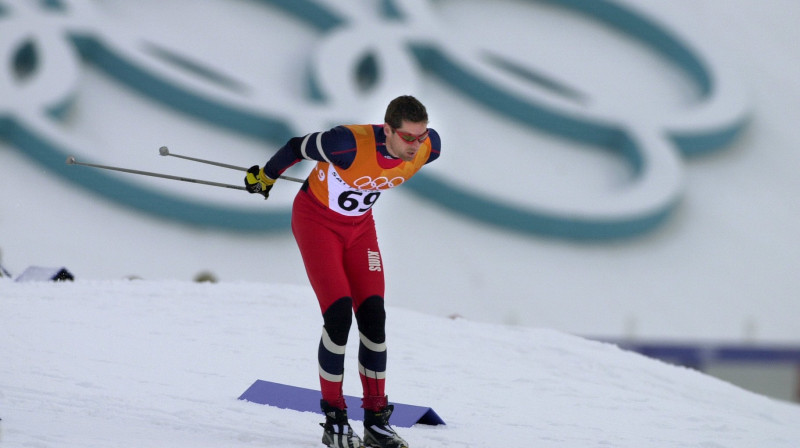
410,138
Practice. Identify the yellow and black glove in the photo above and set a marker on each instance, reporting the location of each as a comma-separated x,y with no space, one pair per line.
258,182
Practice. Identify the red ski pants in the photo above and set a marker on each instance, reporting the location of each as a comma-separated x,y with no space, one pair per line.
340,253
344,266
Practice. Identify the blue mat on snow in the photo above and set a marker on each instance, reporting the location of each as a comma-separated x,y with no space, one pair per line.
307,400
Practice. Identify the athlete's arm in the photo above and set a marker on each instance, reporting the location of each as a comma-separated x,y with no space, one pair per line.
336,146
436,145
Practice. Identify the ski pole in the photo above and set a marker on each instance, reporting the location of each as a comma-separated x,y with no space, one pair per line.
164,151
71,161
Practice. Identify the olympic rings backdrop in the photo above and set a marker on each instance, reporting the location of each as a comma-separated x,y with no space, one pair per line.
48,43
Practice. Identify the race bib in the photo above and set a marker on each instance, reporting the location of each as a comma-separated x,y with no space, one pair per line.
349,201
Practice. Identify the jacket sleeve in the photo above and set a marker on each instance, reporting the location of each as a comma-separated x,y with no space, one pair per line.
336,146
436,146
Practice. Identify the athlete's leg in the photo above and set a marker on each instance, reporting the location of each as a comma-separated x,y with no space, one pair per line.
371,319
364,269
337,318
321,246
322,251
363,264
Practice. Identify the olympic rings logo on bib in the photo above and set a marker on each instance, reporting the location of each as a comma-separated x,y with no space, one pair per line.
379,183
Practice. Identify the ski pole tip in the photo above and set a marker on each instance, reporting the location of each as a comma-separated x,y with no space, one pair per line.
163,151
71,160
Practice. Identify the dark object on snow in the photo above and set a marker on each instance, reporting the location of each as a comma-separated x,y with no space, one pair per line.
205,277
42,274
3,271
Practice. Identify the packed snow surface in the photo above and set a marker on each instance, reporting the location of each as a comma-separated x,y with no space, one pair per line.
98,364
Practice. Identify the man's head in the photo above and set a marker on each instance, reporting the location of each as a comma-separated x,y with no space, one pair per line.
406,108
405,126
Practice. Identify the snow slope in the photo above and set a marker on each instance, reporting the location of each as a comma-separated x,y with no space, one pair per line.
98,364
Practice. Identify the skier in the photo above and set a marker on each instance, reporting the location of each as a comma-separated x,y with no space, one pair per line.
333,225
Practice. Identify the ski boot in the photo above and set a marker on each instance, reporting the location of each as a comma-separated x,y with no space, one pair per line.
337,432
378,433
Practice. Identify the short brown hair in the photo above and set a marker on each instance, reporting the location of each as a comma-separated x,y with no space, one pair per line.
407,108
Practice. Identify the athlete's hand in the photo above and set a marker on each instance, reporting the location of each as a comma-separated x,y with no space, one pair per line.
258,182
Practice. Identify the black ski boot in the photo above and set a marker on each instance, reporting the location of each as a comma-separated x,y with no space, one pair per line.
337,431
378,433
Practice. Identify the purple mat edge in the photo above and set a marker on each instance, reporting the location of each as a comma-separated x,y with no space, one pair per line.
307,400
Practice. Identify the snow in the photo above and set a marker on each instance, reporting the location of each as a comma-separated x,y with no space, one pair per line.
98,364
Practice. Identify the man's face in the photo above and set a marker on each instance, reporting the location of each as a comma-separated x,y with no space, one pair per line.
404,142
